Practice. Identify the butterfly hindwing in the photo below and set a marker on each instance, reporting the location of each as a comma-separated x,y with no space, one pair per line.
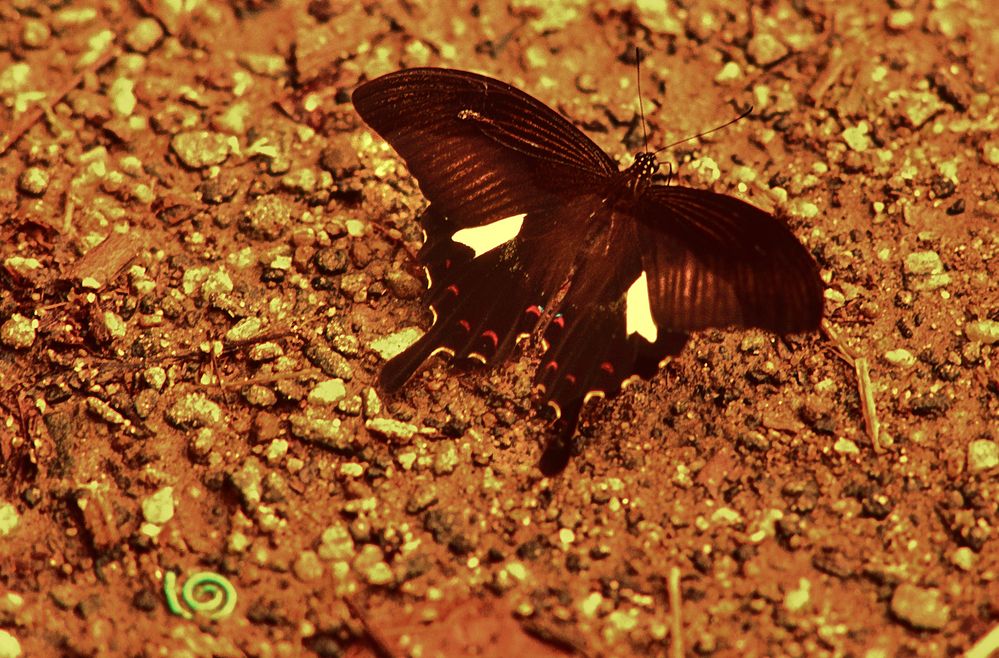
716,261
483,302
595,342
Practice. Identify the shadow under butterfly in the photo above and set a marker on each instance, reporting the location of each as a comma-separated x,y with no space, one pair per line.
533,228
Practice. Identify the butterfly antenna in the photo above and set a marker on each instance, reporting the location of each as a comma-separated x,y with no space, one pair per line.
641,106
708,132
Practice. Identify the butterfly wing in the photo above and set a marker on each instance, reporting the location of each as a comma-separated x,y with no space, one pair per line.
480,149
484,152
714,261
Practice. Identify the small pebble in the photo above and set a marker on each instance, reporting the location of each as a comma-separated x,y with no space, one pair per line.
963,558
194,410
35,33
729,73
259,395
18,332
856,137
926,271
330,391
372,403
403,285
145,402
307,567
846,447
248,480
394,344
445,458
144,35
276,451
154,377
114,325
9,646
73,17
900,357
202,443
394,430
331,363
983,455
198,149
121,93
990,152
370,564
265,352
158,508
923,262
336,544
244,330
235,118
33,181
104,411
797,599
900,20
339,157
919,106
9,518
765,49
921,608
303,181
983,331
267,218
324,431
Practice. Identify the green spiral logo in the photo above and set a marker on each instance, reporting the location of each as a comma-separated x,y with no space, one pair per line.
205,593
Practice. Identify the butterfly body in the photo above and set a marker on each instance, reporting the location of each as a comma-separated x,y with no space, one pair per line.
533,228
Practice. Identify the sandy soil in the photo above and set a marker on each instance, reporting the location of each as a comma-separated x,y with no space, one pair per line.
203,251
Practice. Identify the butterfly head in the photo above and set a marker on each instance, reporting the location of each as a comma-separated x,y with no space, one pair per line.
646,165
639,175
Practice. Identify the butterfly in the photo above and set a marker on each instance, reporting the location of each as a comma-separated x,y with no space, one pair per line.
532,229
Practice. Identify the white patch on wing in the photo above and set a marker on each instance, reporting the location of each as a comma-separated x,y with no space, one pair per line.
489,236
638,310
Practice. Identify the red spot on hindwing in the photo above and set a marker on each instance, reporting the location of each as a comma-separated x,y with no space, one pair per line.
571,379
453,289
607,367
551,365
534,310
465,325
559,321
491,335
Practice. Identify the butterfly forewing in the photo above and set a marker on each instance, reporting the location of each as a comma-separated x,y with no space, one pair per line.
480,149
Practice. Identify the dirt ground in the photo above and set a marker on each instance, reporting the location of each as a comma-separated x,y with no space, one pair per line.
206,257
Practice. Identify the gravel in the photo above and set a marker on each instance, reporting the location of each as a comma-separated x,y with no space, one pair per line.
918,607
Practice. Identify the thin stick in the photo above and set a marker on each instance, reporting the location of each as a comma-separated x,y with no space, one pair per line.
862,369
987,646
379,644
675,602
270,379
33,116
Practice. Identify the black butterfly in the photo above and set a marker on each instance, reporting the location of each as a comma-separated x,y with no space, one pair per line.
532,227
